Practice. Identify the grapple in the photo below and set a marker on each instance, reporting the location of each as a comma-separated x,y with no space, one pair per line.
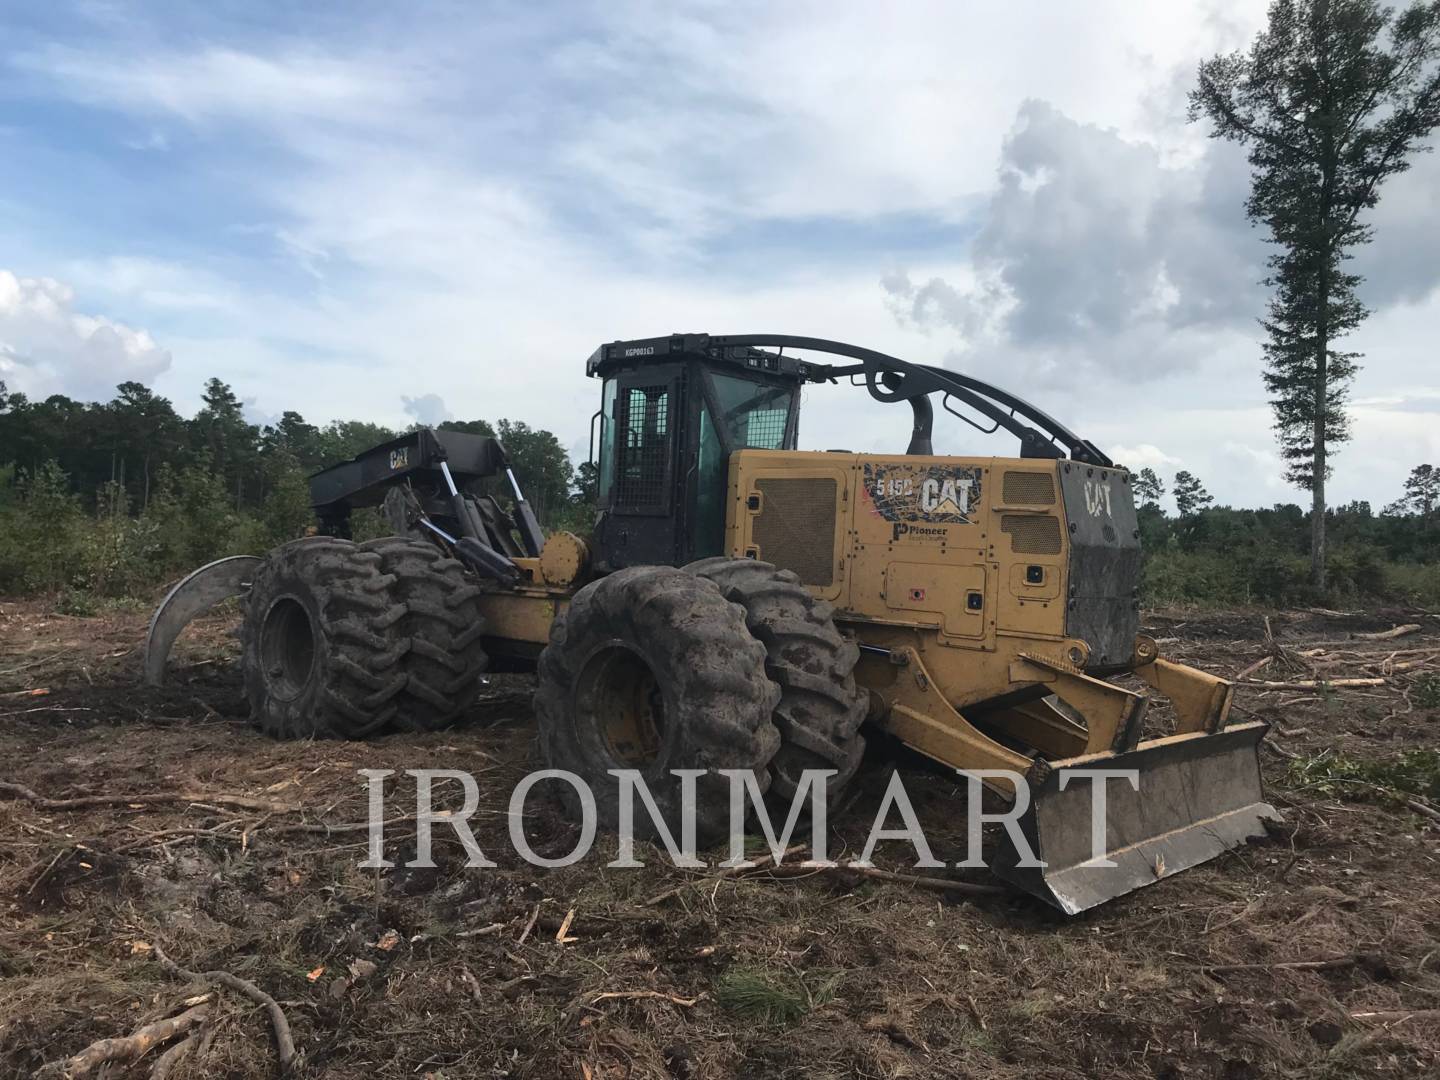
193,595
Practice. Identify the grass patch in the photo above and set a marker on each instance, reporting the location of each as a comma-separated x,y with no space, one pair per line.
1426,693
772,998
1415,772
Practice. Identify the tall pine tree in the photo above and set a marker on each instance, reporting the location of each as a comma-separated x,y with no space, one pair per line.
1331,99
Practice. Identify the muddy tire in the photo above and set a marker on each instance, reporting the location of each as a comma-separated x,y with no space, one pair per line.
321,643
443,625
821,708
652,669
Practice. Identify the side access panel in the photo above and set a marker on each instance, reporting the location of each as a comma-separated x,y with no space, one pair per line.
920,546
792,508
1029,543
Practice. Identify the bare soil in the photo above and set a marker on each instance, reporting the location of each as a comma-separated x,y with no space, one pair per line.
462,973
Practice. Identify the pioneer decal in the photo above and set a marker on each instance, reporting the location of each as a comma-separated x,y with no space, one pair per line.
936,494
937,533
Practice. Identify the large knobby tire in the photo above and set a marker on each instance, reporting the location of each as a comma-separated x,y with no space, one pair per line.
652,669
322,646
820,708
443,624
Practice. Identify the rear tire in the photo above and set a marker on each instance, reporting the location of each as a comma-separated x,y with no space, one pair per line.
652,669
821,709
443,624
321,643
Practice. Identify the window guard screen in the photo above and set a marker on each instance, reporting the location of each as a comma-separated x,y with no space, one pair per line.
642,458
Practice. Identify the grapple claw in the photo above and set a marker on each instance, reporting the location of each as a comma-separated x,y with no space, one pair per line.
195,594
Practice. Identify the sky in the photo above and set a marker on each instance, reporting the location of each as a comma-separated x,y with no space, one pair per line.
434,210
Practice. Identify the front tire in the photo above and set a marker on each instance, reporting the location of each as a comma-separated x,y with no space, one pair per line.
652,669
321,645
821,709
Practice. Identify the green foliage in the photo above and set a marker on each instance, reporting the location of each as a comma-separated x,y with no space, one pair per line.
1414,772
1190,494
286,513
1426,691
40,533
772,998
1148,488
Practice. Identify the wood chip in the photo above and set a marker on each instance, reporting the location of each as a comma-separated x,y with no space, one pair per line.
563,934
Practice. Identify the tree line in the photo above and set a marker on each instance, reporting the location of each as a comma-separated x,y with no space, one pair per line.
1211,554
109,498
137,435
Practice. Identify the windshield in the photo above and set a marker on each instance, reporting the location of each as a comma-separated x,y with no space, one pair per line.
754,415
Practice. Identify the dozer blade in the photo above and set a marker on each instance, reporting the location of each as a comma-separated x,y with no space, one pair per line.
196,593
1199,796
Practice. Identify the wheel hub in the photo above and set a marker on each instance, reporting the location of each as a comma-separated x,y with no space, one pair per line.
287,647
619,698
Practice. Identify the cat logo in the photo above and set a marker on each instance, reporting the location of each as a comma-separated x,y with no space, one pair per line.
1097,497
400,459
950,496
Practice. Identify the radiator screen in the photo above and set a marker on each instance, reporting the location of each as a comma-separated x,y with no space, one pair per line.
795,528
1028,489
1032,534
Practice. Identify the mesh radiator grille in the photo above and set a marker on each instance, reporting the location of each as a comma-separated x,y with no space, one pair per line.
795,528
1031,534
1028,489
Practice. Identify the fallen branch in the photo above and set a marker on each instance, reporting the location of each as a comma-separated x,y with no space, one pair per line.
284,1043
1405,665
725,872
1313,684
81,802
640,995
1334,964
1396,1016
126,1049
171,1059
876,874
484,931
1421,808
1393,632
588,1001
534,915
1263,662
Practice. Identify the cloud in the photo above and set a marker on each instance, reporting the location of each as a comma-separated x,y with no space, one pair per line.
427,409
1143,456
1093,247
229,83
343,195
47,347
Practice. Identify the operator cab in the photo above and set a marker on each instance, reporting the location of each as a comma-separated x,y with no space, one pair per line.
672,411
675,408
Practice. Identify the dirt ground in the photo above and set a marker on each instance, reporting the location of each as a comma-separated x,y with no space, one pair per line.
1315,953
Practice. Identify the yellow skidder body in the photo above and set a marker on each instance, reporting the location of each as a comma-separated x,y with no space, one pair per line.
982,593
741,606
